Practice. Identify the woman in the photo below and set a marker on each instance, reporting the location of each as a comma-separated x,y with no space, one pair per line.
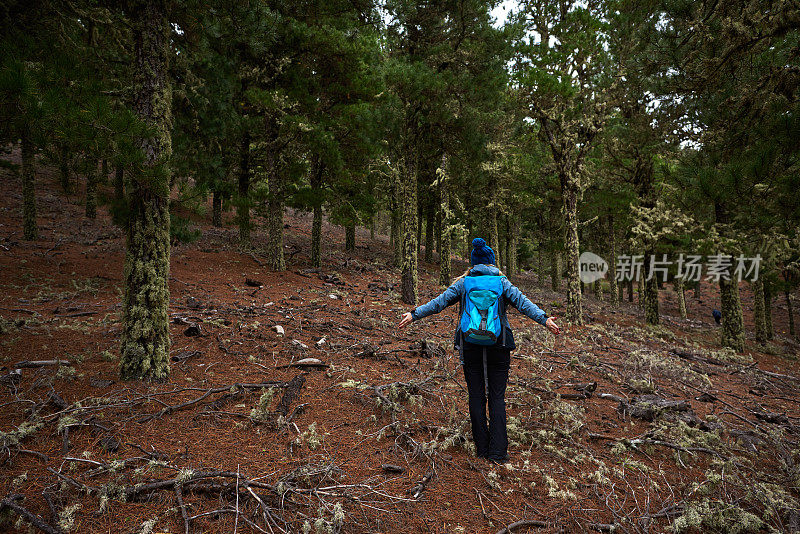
485,366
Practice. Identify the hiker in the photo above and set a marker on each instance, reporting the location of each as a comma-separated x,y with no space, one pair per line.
484,341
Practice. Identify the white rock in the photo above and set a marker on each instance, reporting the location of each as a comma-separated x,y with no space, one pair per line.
321,341
278,329
334,297
298,343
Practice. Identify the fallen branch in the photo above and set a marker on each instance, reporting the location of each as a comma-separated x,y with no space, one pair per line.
170,409
420,486
534,523
30,517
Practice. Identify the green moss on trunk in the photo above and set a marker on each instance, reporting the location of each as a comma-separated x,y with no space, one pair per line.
409,274
615,295
445,266
513,246
569,193
650,296
275,208
430,223
768,309
145,321
732,334
758,311
397,217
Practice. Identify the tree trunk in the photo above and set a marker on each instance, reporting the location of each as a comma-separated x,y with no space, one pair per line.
768,309
350,236
438,232
275,207
216,208
430,223
145,321
630,290
397,217
758,310
614,294
104,172
243,202
598,289
409,278
541,271
650,298
679,291
569,192
91,190
640,296
513,246
444,229
28,171
502,244
420,211
732,322
119,184
63,166
788,296
491,224
316,225
555,271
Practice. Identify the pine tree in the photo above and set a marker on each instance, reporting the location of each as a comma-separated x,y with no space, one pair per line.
758,311
564,71
145,323
409,271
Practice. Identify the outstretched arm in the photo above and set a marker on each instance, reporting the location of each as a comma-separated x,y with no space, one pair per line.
450,296
525,306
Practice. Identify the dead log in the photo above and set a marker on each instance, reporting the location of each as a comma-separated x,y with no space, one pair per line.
648,407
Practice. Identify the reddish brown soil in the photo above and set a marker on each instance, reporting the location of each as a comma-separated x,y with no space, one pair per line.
48,287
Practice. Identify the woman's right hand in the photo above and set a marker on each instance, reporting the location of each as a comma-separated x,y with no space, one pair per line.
406,320
552,326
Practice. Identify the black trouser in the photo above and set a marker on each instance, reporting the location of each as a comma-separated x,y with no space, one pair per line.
492,441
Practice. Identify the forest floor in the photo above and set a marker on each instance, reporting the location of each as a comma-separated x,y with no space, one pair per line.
612,425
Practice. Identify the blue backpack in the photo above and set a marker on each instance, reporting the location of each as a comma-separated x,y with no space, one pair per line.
480,311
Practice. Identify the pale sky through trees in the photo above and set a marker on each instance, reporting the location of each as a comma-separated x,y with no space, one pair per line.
500,13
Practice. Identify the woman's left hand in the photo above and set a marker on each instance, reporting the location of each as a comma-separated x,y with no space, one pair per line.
552,326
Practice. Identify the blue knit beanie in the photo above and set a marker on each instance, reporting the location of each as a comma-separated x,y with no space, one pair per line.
481,252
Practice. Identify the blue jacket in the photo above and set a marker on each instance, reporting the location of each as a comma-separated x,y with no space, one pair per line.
511,294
